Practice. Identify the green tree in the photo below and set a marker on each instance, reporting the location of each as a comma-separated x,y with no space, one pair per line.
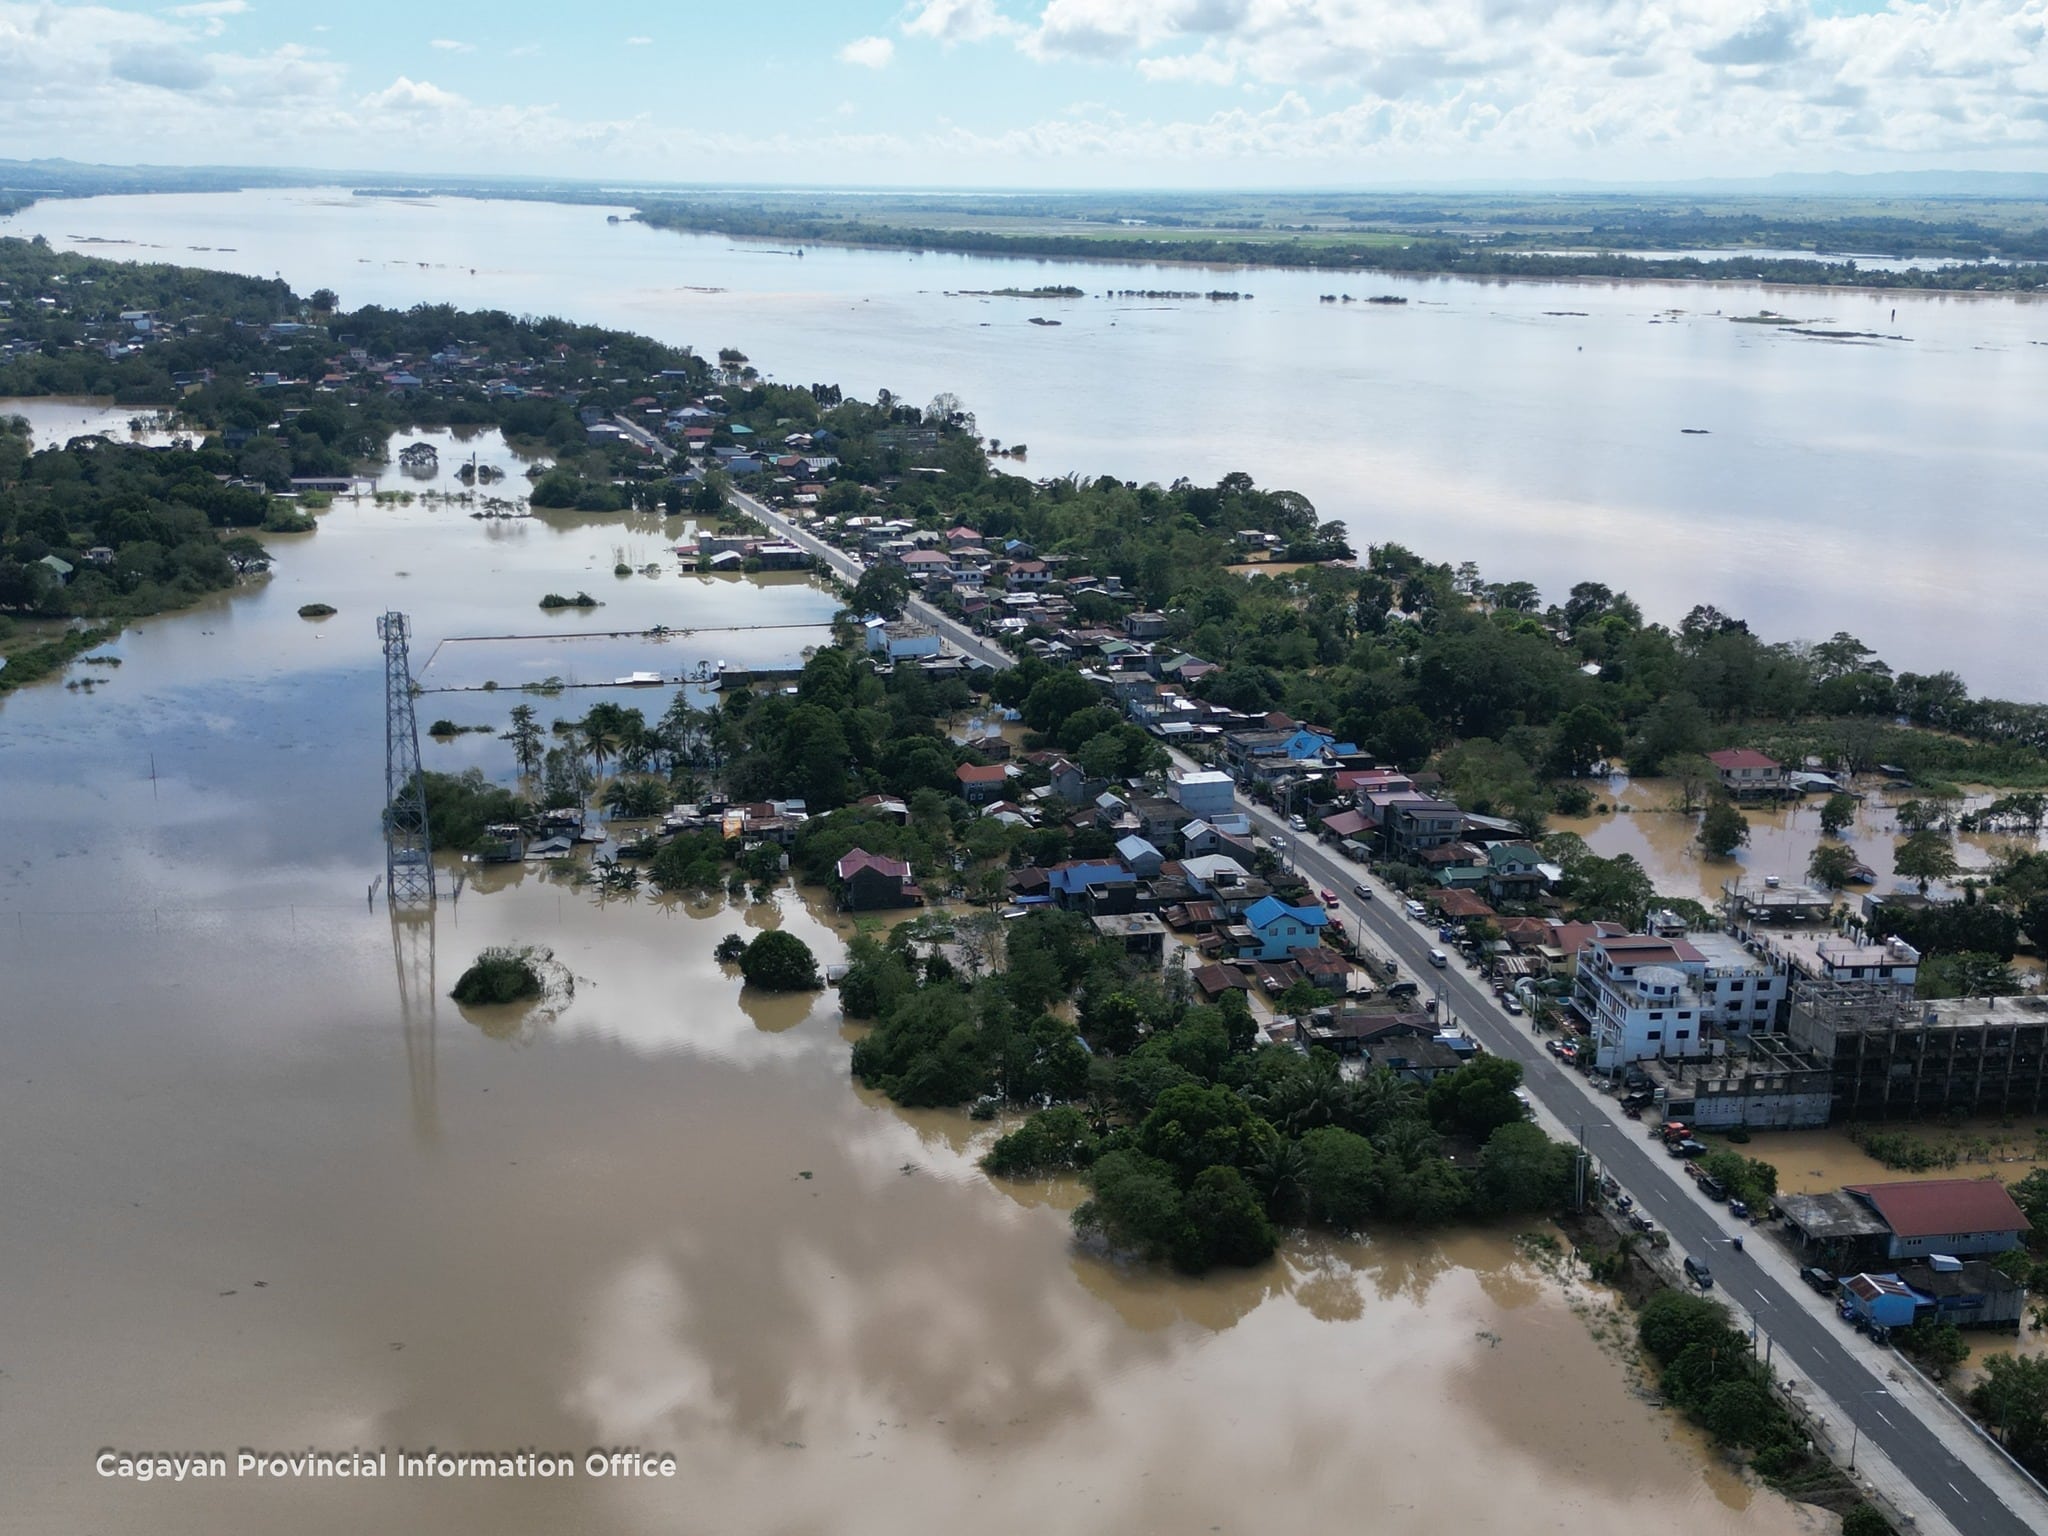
1723,829
2011,1399
1135,1205
1831,865
881,592
1228,1221
1866,1520
1477,1098
1053,1140
1970,974
1340,1175
1522,1170
1836,814
1403,736
499,975
1749,1179
1193,1127
1924,857
529,742
780,962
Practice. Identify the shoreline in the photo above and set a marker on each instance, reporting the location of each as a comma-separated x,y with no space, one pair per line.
1365,268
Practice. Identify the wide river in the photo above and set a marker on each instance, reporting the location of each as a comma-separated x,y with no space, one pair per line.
1886,482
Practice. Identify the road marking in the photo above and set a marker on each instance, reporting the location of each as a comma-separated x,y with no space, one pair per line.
1960,1494
1886,1417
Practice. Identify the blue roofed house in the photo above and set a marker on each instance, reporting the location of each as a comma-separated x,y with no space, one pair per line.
1071,882
1281,929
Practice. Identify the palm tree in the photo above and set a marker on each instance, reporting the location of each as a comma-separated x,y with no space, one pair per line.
600,741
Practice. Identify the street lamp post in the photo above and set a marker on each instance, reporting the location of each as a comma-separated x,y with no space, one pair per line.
1856,1438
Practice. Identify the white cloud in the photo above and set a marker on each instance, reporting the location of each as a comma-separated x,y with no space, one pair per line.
414,96
639,42
523,51
452,45
1205,67
213,13
957,21
868,52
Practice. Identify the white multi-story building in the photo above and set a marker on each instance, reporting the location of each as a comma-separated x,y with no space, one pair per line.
1681,996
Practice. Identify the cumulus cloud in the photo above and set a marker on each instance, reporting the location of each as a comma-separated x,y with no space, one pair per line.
413,96
452,45
213,13
868,52
957,21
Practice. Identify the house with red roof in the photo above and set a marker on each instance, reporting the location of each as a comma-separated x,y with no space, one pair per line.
980,784
869,882
1952,1217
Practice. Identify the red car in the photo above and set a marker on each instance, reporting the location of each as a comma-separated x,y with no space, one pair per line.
1329,898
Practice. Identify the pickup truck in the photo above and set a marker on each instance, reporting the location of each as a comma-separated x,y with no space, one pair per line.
1712,1187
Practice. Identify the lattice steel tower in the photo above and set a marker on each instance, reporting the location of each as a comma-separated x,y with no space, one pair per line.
408,849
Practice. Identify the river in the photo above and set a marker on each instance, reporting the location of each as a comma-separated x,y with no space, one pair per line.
1885,482
267,1186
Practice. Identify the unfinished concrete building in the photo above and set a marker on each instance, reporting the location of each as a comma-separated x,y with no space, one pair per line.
1891,1055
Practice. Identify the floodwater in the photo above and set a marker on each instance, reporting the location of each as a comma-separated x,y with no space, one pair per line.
1533,426
268,1186
1643,820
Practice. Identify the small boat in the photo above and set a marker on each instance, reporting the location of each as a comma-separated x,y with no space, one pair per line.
638,680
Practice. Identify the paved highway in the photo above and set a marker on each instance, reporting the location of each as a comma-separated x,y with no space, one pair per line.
1815,1348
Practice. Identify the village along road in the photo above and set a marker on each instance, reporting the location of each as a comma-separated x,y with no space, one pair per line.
1817,1349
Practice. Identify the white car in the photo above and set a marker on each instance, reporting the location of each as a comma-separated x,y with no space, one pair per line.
1297,823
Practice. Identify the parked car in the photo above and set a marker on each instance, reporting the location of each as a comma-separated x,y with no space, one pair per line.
1277,844
1447,933
1688,1148
1819,1279
1712,1187
1528,1104
1415,909
1297,823
1402,989
1739,1209
1512,1003
1362,891
1699,1274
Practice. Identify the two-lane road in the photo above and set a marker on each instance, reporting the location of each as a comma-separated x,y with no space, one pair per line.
1814,1349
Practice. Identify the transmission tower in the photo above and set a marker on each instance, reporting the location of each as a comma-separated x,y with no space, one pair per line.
408,849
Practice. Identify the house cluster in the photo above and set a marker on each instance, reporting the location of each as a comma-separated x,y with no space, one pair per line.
1915,1250
748,552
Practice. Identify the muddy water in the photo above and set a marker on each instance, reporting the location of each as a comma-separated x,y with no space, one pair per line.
267,1186
1643,820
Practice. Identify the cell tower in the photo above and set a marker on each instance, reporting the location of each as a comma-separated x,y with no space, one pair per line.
408,849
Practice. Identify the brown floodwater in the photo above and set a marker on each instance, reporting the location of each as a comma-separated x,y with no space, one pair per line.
1642,819
268,1186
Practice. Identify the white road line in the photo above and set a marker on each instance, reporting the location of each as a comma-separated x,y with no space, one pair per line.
1960,1494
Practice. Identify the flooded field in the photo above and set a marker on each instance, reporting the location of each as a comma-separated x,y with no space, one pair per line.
268,1186
1643,820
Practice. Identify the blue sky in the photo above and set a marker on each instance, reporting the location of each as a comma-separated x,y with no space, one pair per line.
1038,92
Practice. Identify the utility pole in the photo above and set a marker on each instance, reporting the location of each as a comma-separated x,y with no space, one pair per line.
408,846
1579,1198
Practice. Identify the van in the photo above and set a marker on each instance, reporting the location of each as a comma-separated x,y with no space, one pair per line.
1697,1272
1528,1104
1415,909
1439,959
